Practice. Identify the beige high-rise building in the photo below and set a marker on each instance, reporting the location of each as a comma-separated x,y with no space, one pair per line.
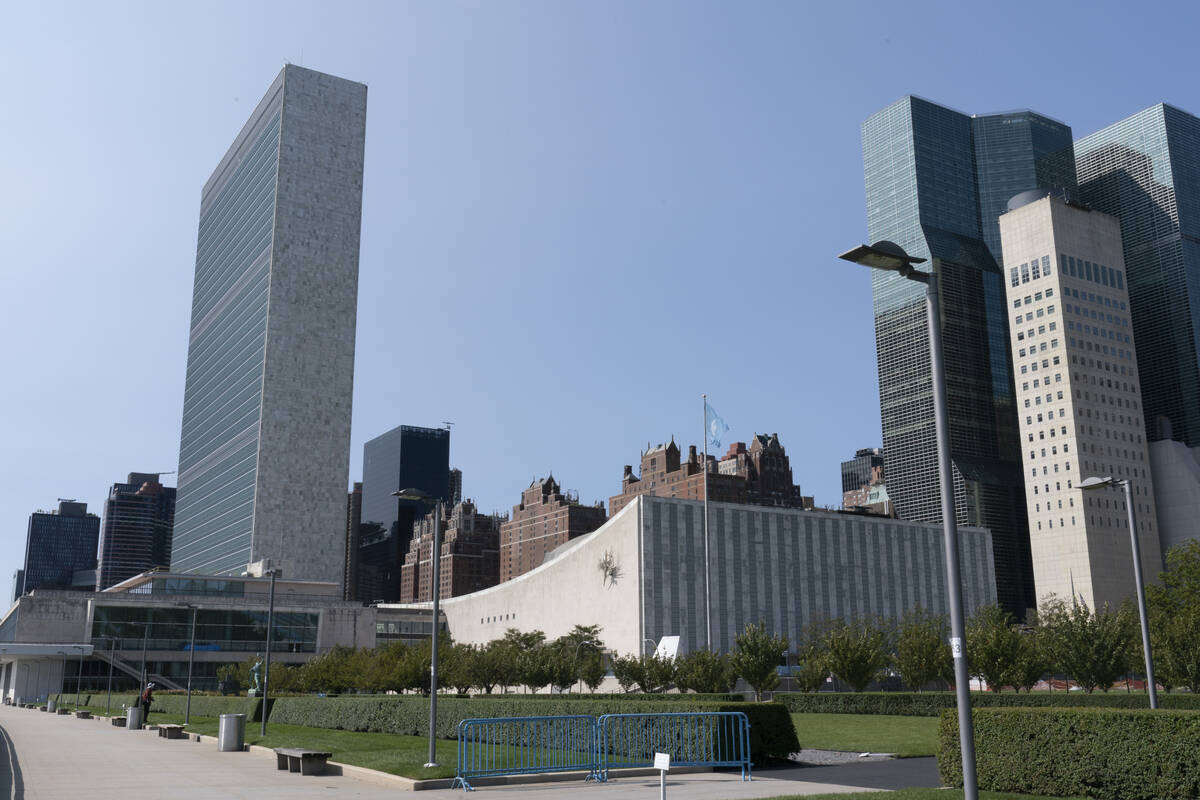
1078,397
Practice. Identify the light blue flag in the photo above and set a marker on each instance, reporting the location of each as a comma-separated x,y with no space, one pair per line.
714,426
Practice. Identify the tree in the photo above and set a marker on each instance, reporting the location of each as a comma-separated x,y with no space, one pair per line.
592,670
1174,608
1093,648
993,646
812,666
756,659
704,672
857,651
487,667
922,651
628,671
659,672
456,667
1035,657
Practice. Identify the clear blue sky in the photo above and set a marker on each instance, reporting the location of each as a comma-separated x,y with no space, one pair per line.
577,216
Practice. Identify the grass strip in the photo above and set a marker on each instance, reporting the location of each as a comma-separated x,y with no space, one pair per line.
875,733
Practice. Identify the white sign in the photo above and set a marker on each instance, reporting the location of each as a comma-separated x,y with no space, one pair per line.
668,647
662,761
956,648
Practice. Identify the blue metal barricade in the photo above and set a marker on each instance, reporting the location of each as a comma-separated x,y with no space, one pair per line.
701,739
524,746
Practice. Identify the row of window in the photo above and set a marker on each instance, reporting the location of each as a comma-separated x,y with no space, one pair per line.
1030,270
1033,298
1097,273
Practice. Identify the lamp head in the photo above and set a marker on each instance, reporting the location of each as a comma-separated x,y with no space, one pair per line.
883,255
412,494
1096,483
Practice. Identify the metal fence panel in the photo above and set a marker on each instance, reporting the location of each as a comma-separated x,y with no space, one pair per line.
702,739
525,746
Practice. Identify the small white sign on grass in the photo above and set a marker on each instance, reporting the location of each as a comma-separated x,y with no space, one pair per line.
662,761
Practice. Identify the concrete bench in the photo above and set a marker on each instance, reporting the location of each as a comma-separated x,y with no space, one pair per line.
83,714
61,711
170,731
306,762
118,722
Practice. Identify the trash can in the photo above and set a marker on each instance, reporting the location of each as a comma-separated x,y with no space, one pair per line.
231,733
133,718
51,705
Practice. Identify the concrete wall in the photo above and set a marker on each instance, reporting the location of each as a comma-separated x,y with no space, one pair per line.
785,567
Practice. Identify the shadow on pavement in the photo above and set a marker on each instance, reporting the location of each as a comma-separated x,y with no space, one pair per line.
12,785
896,773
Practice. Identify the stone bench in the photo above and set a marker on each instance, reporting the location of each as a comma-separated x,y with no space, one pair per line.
61,711
170,731
118,722
83,714
306,762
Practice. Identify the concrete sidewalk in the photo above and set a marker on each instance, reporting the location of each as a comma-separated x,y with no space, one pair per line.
50,757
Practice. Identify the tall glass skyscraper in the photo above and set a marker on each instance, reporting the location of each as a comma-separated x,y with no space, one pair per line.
407,457
1145,171
60,549
937,181
139,517
264,449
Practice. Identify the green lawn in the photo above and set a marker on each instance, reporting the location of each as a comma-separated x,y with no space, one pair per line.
876,733
917,794
386,752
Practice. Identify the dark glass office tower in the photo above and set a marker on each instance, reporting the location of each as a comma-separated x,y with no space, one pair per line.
937,181
856,473
1145,170
58,544
139,517
406,457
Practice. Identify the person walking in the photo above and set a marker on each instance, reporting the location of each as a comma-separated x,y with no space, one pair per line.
147,698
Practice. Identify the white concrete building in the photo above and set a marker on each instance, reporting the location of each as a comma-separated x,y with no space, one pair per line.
641,576
1078,397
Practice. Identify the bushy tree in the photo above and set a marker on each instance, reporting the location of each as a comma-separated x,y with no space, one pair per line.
1174,608
857,650
922,650
1035,657
993,646
757,658
488,666
592,670
704,672
811,669
628,671
1094,648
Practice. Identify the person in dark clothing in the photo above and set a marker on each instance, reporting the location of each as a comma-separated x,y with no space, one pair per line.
147,698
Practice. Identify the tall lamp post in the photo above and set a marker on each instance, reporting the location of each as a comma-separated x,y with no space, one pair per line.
889,256
1104,483
187,709
267,664
436,568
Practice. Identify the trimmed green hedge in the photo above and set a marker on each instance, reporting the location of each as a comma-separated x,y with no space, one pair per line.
771,731
931,704
665,697
1107,754
202,705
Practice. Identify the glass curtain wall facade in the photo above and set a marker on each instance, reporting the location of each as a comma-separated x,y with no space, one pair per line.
57,544
264,445
139,517
407,457
1145,170
936,182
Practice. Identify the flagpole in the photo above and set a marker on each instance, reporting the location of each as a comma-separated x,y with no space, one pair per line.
707,592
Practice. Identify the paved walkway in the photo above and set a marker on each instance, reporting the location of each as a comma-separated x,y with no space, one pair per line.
46,756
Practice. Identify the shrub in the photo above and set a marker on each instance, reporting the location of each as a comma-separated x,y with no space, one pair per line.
771,731
856,651
756,659
930,704
1107,754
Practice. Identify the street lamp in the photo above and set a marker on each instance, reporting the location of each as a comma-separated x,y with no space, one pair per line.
890,256
79,678
1104,483
417,494
267,665
187,710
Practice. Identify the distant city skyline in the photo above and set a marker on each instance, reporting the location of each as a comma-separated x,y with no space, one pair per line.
550,199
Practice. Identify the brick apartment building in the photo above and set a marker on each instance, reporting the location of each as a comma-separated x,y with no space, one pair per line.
545,519
470,555
759,475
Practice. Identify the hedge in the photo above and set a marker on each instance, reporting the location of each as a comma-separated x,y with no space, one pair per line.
665,697
771,731
202,705
1107,754
931,704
